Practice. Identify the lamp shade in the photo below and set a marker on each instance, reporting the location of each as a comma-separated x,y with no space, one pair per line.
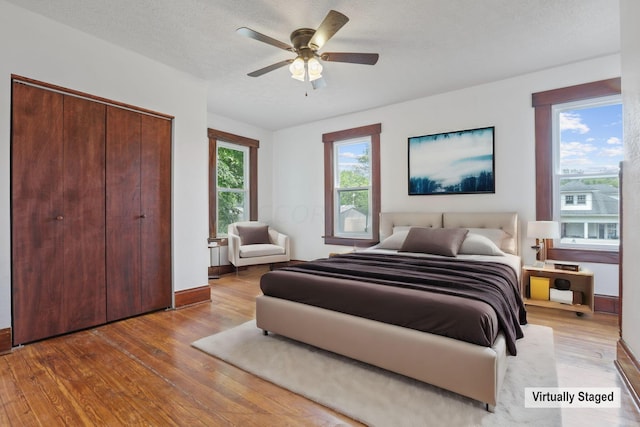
298,69
314,69
543,229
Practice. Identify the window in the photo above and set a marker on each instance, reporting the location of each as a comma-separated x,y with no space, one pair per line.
587,143
233,183
352,186
577,168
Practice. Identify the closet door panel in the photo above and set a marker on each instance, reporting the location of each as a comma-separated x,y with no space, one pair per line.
84,293
37,212
156,207
123,213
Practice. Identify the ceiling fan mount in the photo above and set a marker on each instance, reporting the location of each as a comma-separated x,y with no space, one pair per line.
305,43
300,39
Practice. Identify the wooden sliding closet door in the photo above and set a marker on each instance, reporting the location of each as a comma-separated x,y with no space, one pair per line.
36,202
156,207
84,213
124,214
57,223
138,213
90,211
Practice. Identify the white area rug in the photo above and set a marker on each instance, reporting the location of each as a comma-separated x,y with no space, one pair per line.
380,398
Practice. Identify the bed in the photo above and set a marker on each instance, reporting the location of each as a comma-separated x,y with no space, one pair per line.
357,304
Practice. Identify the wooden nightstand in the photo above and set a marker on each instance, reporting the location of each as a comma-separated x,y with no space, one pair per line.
581,281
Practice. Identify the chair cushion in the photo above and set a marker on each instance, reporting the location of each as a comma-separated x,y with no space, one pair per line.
258,250
253,234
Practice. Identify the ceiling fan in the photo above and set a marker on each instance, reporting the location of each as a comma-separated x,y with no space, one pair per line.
305,43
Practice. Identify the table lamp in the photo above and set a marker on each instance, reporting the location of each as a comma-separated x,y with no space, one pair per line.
541,231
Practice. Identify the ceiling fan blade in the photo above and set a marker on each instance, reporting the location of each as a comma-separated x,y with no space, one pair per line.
353,58
319,83
271,67
248,32
329,26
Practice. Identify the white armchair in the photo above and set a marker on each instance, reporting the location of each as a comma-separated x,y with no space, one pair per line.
253,242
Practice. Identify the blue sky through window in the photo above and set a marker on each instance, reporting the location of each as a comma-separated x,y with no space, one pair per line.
348,154
591,139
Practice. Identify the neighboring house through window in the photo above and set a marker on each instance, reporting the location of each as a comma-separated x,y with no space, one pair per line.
578,153
587,142
352,186
233,183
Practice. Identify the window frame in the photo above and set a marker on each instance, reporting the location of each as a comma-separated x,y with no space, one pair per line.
329,140
543,103
216,136
245,190
337,189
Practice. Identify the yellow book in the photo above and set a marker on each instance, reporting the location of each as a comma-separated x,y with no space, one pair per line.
539,288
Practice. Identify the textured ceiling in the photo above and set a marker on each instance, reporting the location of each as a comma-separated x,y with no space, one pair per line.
425,46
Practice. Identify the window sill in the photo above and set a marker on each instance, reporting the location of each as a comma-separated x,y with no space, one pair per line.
345,241
583,255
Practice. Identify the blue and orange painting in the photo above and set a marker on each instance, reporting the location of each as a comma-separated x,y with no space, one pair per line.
460,162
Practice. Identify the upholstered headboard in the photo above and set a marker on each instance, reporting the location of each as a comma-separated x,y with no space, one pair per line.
388,220
505,221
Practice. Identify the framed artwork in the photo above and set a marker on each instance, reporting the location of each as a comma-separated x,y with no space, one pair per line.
460,162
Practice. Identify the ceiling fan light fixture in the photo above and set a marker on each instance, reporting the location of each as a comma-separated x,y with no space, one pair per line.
314,69
297,69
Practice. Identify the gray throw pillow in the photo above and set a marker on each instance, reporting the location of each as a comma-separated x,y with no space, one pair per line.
253,234
437,241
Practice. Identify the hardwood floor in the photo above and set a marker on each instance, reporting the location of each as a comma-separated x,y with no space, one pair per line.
143,371
585,349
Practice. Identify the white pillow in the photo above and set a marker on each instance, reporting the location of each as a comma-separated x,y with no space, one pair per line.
398,228
396,240
497,236
477,244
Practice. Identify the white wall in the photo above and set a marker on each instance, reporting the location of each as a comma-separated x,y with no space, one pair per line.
630,32
506,104
38,48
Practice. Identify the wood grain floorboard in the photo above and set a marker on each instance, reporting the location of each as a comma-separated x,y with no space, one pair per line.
143,371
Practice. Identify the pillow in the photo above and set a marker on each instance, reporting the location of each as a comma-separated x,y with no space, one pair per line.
496,235
394,241
438,241
477,244
399,228
253,234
